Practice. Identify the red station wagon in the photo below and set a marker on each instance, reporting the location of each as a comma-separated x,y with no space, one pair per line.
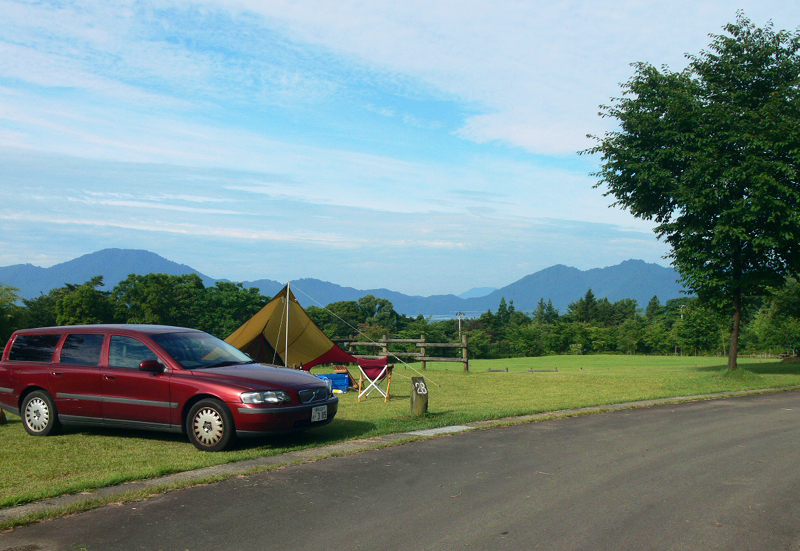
154,377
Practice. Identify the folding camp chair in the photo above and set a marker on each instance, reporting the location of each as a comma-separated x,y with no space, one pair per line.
374,371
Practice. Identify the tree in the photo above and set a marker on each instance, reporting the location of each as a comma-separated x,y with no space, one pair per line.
712,155
84,304
529,339
338,319
630,335
584,309
656,338
41,311
545,313
160,299
654,308
503,315
778,322
378,311
700,329
226,306
9,311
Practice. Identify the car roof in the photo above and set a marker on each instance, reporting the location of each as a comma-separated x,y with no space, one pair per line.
100,328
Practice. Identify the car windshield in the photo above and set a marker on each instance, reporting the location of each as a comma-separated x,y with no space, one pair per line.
200,350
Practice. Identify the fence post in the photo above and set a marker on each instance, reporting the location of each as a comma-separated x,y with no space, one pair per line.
419,397
423,351
385,348
464,352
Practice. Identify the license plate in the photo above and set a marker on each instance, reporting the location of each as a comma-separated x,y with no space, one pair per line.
319,413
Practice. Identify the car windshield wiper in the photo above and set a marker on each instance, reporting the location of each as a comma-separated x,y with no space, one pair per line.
225,363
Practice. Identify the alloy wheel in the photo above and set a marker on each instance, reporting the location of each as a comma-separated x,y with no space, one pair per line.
208,426
37,414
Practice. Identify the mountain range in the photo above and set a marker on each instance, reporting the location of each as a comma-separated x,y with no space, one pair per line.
634,279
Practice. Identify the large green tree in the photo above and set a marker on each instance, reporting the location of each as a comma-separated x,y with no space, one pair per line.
712,154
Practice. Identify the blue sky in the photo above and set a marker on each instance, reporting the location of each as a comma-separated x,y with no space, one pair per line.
427,147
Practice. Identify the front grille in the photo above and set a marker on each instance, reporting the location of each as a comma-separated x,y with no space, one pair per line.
313,395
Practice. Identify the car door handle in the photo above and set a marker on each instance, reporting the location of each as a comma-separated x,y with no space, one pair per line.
109,377
57,374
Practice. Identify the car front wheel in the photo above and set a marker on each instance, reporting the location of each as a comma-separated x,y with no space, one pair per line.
39,415
209,426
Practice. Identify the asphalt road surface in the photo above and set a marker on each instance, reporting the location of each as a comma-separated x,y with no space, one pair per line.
720,474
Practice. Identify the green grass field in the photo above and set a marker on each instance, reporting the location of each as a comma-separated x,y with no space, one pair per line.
84,459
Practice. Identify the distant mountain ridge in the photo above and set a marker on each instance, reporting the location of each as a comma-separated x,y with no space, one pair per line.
477,292
634,279
113,264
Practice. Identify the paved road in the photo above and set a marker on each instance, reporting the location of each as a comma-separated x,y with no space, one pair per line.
721,474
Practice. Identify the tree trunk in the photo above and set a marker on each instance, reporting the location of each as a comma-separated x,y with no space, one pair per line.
733,352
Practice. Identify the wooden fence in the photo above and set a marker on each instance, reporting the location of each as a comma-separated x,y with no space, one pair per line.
421,343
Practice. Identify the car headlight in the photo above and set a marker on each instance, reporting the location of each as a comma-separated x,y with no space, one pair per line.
266,397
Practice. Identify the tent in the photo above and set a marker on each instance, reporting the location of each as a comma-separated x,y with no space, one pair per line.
266,339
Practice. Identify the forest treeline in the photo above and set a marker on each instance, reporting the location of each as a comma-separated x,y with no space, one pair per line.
590,325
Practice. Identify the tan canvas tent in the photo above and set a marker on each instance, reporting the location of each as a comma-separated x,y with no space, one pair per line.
266,339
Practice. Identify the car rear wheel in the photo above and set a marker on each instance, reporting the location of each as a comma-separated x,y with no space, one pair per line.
39,414
210,426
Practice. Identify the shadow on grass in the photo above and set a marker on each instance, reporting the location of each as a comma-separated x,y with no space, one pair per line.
430,415
12,419
334,432
123,433
771,368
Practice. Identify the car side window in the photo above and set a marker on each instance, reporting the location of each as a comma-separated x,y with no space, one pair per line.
128,352
82,349
33,348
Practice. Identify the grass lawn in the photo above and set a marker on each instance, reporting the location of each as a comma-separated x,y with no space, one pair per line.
83,459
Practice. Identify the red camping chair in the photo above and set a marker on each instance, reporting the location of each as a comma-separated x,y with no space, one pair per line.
374,371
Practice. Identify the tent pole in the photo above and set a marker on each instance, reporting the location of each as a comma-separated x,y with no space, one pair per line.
286,345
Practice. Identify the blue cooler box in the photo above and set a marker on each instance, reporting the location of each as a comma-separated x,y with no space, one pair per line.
338,380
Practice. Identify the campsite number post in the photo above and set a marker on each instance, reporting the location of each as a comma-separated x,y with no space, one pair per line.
419,396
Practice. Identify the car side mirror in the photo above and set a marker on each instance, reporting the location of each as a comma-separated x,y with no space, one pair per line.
153,366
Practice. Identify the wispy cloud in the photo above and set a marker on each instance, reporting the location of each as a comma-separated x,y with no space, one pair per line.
104,196
149,205
193,230
533,67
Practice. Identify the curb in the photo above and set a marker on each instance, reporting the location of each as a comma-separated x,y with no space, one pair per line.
66,503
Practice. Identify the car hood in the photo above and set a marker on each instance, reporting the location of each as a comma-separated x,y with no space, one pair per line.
259,376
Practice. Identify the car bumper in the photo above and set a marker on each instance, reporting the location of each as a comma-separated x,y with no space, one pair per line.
254,421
